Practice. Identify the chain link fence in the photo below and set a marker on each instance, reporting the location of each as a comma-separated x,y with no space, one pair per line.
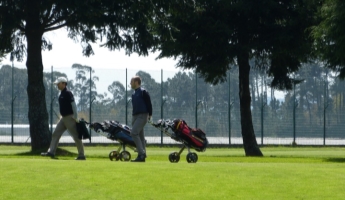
312,113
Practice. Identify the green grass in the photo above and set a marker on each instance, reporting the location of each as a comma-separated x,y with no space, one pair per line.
220,173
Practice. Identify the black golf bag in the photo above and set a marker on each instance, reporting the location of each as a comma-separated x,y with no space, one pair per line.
115,131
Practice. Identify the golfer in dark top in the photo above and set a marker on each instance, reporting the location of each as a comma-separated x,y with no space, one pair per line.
68,111
142,112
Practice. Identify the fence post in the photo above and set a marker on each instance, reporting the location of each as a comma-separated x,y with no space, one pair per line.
51,100
12,106
262,110
229,108
162,104
325,105
90,109
196,100
294,114
126,100
295,105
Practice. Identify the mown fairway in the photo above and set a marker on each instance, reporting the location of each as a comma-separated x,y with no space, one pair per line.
220,173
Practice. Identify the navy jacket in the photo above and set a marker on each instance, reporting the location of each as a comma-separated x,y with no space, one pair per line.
65,99
141,102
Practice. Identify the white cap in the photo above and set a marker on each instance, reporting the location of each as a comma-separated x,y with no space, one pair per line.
60,80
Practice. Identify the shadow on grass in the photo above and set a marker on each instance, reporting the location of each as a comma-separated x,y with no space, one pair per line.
335,160
59,152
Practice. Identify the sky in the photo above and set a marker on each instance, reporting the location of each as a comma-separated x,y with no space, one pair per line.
66,52
108,65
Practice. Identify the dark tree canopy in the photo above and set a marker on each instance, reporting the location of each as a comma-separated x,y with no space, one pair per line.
205,35
117,24
209,35
330,35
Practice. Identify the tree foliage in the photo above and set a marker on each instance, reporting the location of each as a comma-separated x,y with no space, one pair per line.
117,24
120,24
210,35
329,35
117,90
84,81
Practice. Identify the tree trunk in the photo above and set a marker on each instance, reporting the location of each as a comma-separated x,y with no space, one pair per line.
251,147
38,115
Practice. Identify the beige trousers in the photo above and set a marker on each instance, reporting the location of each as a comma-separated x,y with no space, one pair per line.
66,123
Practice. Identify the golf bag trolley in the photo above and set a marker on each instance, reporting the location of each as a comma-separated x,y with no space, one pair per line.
115,131
190,137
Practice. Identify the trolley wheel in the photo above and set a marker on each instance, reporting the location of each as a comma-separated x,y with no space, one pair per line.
125,156
174,157
114,155
192,157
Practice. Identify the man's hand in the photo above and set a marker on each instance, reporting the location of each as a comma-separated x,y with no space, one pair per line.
150,119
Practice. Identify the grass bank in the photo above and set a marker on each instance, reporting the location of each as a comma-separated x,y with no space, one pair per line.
220,173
